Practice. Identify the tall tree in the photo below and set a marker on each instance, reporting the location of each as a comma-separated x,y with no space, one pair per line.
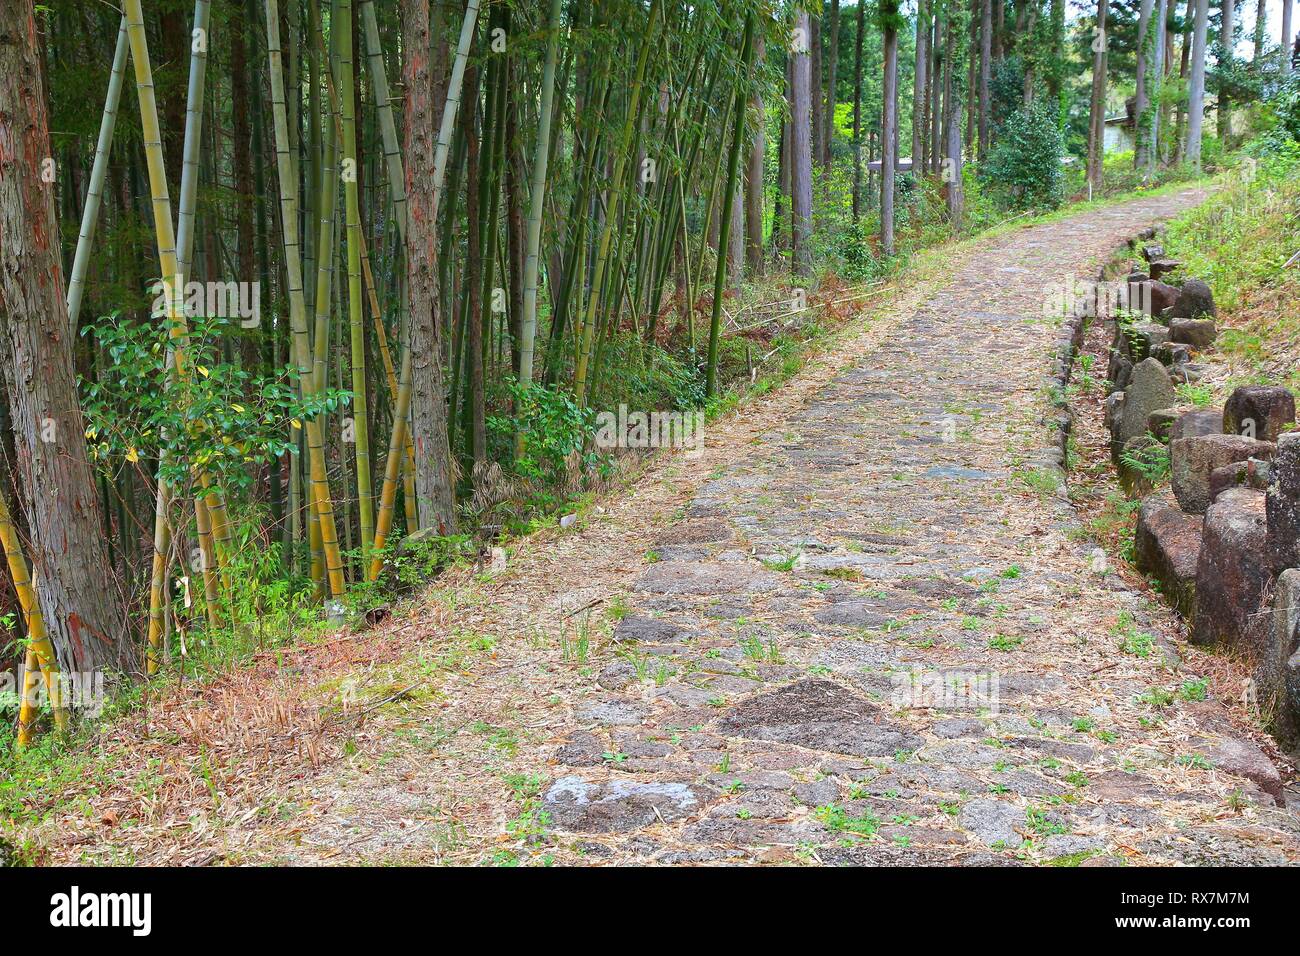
1261,32
1227,33
80,599
857,110
1155,82
755,185
1196,92
801,144
832,75
919,81
1141,98
985,74
1287,38
889,123
426,164
816,91
1097,106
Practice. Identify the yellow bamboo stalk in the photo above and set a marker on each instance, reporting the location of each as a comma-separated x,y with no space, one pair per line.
408,469
207,554
172,283
40,659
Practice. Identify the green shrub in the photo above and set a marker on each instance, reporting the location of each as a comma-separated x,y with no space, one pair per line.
1025,161
553,427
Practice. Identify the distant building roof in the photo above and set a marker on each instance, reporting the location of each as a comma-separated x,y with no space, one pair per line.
904,165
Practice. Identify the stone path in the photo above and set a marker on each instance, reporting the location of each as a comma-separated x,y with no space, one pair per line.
862,628
874,640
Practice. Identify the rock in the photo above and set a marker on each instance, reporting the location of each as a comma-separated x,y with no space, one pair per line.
1112,411
1233,576
1142,449
1173,354
582,749
705,577
1187,372
1200,421
1192,460
993,822
820,715
1229,476
1241,758
1148,390
1160,297
1251,473
1166,546
652,630
1161,421
852,614
1283,505
1070,845
1277,678
1162,267
612,713
818,793
1118,371
617,675
1194,300
1259,411
1144,338
620,805
1153,252
1198,333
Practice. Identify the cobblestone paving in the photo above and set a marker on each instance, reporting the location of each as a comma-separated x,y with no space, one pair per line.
875,639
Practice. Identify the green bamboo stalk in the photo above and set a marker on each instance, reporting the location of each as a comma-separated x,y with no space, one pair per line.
95,192
324,508
587,337
356,323
541,155
724,223
387,125
173,309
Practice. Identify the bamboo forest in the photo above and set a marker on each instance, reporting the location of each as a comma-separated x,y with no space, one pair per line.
616,433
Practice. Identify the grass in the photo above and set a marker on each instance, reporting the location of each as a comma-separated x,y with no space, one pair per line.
1238,242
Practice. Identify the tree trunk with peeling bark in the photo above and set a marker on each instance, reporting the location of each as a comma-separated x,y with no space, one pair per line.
80,599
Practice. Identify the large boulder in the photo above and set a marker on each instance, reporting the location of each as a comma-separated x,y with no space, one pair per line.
1144,338
1198,333
1166,547
1233,579
1161,421
1259,411
1277,678
1283,505
1194,301
1251,473
1160,297
1193,460
1149,388
1198,421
